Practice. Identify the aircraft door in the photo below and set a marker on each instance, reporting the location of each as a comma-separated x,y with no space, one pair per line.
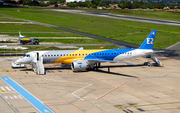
134,53
37,56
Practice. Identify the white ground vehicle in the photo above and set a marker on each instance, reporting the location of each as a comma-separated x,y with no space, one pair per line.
16,65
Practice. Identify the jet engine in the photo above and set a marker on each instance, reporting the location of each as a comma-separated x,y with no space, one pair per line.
79,65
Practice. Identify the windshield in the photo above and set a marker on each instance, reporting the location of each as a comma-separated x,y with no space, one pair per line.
26,55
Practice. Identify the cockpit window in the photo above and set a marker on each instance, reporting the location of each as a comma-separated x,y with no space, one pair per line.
24,55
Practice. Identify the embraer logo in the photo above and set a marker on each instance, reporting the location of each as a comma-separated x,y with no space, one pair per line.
80,66
150,40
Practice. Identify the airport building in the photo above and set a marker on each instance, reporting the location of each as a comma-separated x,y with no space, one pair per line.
76,0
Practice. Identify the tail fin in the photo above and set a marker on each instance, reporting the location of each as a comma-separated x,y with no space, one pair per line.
149,41
20,36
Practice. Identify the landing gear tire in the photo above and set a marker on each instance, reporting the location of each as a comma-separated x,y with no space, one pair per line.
146,63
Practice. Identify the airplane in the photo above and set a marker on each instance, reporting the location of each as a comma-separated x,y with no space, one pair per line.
81,60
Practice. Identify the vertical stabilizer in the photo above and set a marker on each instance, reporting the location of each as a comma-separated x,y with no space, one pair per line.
20,36
149,41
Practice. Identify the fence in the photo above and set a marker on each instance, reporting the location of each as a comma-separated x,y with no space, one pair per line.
9,53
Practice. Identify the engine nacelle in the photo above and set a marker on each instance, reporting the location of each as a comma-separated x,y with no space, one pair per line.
79,65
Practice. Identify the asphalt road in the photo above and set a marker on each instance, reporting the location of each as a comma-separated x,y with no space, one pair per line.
132,18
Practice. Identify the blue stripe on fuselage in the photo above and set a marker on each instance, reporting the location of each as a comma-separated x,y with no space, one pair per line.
107,54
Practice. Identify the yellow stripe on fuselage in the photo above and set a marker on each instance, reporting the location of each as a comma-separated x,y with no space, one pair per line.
77,55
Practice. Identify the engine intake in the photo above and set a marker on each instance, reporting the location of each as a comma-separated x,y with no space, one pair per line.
79,65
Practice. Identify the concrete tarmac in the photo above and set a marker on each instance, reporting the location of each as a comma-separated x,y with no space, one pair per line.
125,89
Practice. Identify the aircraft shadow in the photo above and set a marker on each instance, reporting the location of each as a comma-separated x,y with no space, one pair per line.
97,70
113,73
57,68
25,70
115,66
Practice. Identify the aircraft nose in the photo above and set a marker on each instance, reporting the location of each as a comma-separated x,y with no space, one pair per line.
18,60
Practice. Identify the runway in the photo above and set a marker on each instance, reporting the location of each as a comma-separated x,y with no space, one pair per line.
132,18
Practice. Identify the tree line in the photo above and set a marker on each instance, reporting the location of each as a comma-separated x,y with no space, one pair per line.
98,3
145,5
123,4
92,4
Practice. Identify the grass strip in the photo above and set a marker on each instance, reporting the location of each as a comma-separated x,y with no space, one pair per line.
127,31
76,41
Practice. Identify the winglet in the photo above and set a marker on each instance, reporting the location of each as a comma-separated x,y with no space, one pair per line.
149,41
